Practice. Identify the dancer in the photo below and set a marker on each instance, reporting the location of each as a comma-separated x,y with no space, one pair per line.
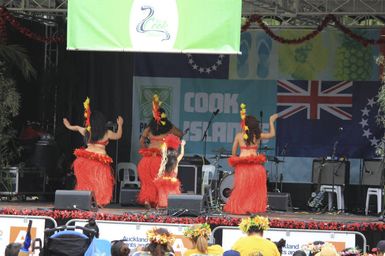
254,242
92,164
167,182
199,235
250,192
151,141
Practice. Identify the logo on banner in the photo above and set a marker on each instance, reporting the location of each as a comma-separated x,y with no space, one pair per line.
153,24
145,101
17,234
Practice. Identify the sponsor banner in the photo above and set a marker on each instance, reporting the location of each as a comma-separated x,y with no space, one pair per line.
191,103
135,233
13,229
155,26
295,239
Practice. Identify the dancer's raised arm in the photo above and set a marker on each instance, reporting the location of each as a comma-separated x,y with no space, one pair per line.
74,128
271,133
118,134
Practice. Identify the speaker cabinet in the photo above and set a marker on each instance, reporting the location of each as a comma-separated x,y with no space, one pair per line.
279,201
324,171
185,204
128,196
373,172
75,200
189,176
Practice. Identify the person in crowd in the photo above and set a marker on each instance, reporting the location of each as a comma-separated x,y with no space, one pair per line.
161,242
92,164
119,248
380,248
167,182
151,140
299,253
231,253
12,249
254,242
327,250
250,191
199,235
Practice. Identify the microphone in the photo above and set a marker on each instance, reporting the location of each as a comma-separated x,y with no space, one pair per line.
341,129
185,132
216,112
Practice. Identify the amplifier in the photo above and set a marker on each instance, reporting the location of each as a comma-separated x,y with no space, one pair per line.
326,171
26,180
373,172
190,177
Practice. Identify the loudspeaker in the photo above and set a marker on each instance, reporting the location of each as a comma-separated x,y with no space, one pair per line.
184,204
324,170
189,175
372,172
75,200
279,201
128,196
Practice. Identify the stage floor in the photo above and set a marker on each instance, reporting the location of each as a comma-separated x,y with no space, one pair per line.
115,209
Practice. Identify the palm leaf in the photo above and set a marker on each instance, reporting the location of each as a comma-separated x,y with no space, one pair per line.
17,56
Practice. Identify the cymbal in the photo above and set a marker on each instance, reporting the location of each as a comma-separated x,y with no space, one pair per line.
221,156
266,148
274,159
221,151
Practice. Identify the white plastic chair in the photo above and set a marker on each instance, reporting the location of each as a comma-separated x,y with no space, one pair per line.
129,170
374,192
208,174
338,190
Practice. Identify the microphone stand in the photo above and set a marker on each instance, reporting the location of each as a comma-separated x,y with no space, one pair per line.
115,128
261,127
204,138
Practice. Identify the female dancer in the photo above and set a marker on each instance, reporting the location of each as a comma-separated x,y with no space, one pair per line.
167,182
151,141
199,235
92,164
250,193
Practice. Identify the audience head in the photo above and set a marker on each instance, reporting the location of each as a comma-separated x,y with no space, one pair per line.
299,253
119,248
254,225
231,253
159,123
380,248
160,241
327,250
199,235
12,249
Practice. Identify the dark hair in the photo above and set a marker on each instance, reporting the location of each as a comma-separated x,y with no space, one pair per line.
280,244
254,229
119,248
254,129
12,249
158,129
98,127
172,160
299,253
159,249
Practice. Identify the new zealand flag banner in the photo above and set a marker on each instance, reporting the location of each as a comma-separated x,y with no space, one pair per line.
326,118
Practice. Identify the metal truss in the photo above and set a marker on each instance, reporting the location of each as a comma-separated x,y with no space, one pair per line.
52,7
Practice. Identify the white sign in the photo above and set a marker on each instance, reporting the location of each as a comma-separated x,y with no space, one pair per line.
135,233
295,239
13,229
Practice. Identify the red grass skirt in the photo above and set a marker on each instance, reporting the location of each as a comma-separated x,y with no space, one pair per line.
165,186
93,172
250,192
148,168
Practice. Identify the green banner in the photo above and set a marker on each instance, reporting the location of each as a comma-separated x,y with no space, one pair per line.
198,26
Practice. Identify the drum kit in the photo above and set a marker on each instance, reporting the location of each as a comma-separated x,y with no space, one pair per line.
222,182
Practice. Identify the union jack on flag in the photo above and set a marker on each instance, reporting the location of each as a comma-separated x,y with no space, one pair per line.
332,97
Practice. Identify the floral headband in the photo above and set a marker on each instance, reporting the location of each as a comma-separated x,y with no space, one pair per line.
244,127
154,237
259,222
196,231
155,110
87,114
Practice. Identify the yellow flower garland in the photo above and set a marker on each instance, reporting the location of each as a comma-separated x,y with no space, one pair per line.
260,222
196,231
154,237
